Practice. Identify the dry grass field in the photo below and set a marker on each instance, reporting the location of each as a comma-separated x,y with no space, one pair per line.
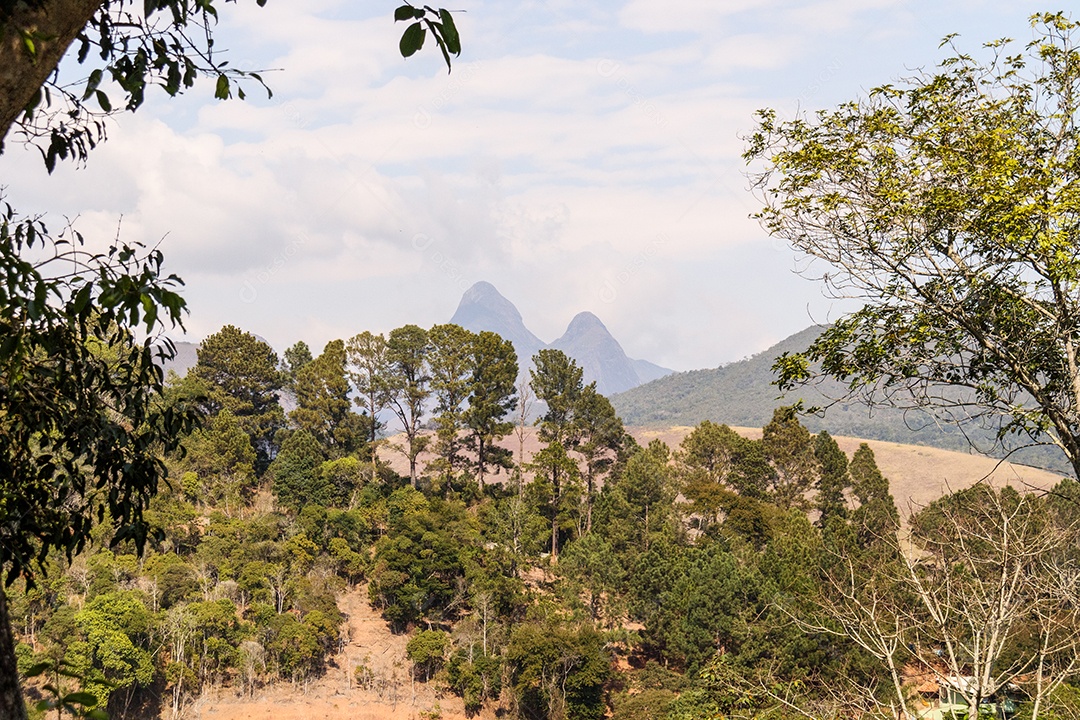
917,474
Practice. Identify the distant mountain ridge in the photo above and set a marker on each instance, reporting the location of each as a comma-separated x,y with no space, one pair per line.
586,340
742,394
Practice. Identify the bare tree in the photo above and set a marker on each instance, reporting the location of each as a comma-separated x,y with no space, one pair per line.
982,594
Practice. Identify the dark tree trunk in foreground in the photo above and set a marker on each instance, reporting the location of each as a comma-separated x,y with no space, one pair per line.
12,705
50,29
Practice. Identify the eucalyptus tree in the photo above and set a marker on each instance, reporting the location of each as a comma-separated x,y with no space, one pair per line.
492,397
409,385
451,365
947,206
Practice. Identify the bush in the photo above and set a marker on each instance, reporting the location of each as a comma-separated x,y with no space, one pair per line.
427,651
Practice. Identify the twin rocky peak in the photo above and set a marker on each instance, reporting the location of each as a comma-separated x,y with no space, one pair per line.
586,340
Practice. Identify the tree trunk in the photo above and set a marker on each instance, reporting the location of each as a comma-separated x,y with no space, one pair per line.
51,29
12,705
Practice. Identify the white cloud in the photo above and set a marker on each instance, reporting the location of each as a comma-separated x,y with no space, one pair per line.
579,156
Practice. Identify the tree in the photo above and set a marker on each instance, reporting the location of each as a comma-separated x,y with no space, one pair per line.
242,375
295,472
558,673
876,516
602,440
557,487
407,351
985,597
167,43
947,205
83,421
369,371
292,360
557,381
219,463
790,449
645,485
714,463
324,408
492,396
450,360
833,480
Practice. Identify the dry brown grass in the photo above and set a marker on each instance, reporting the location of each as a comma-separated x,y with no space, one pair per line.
917,474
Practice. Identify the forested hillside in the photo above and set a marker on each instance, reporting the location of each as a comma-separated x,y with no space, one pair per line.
742,393
590,578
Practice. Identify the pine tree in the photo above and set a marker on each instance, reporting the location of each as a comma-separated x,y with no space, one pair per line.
241,373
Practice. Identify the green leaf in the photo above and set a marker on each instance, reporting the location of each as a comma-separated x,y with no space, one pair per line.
92,83
103,101
221,92
405,12
37,669
450,33
437,31
412,39
81,698
81,299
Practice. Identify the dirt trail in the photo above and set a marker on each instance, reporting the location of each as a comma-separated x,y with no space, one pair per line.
387,691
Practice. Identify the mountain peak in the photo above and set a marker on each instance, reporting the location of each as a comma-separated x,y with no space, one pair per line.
586,340
585,322
598,353
485,295
482,307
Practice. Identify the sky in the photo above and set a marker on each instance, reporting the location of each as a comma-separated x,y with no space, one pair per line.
580,156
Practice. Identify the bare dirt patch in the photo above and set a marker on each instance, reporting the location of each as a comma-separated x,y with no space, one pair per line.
387,691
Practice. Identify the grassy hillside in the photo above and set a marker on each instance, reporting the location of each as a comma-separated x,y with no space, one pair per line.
742,393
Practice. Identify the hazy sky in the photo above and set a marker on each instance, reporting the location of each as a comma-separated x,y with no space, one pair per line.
580,156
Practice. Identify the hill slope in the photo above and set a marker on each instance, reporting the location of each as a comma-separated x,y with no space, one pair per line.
742,393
